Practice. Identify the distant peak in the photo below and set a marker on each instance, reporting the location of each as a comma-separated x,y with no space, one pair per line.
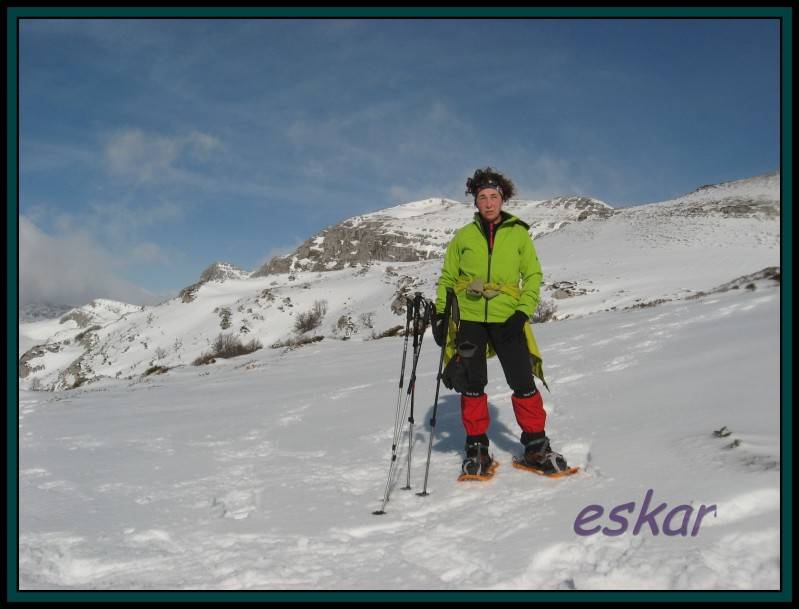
575,202
221,271
765,178
106,303
765,186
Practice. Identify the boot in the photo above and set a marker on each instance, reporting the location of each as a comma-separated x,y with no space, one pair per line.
539,455
477,461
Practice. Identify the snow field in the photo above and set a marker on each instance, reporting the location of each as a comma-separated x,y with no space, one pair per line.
261,472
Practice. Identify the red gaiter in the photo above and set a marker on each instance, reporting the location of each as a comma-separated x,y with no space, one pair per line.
530,413
474,414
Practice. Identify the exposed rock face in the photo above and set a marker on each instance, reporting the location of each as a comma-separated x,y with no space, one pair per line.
220,271
33,353
587,206
567,289
81,318
189,293
75,375
348,244
406,285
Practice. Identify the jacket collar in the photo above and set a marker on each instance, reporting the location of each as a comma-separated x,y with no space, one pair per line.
504,220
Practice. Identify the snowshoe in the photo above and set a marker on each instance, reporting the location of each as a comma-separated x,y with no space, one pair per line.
539,458
478,464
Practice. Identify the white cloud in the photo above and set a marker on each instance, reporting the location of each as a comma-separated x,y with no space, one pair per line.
37,155
201,145
120,219
148,252
70,269
378,140
152,158
192,161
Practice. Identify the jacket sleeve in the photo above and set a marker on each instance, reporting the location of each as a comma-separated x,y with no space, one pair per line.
449,273
531,276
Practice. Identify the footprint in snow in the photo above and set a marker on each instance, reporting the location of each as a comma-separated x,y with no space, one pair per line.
620,363
568,379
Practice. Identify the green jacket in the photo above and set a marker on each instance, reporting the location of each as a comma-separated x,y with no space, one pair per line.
513,260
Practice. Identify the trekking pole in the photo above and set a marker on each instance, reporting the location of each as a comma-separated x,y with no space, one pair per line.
448,308
397,416
420,320
409,305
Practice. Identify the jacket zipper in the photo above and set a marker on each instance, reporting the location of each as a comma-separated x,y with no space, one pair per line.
488,276
490,243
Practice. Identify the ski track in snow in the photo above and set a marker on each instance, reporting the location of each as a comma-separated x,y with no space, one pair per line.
194,483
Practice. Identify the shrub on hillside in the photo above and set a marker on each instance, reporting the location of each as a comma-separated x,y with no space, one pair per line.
293,343
309,320
227,346
545,311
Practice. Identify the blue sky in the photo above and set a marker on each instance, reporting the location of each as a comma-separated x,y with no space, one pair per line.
151,148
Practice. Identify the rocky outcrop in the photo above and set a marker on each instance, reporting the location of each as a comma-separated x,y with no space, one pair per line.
25,367
82,318
348,244
567,289
586,206
219,272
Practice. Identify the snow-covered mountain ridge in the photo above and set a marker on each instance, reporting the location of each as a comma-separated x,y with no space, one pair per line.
419,230
594,259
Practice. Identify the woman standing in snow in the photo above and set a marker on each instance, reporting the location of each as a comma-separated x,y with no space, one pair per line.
492,266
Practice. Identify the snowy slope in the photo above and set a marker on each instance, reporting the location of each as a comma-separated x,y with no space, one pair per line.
176,332
650,252
261,472
761,190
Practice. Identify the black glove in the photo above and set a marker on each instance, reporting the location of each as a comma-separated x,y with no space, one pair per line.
512,327
439,330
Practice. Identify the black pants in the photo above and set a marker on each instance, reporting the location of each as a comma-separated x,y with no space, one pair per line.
513,356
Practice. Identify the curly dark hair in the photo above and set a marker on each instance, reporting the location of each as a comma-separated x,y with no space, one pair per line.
483,176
